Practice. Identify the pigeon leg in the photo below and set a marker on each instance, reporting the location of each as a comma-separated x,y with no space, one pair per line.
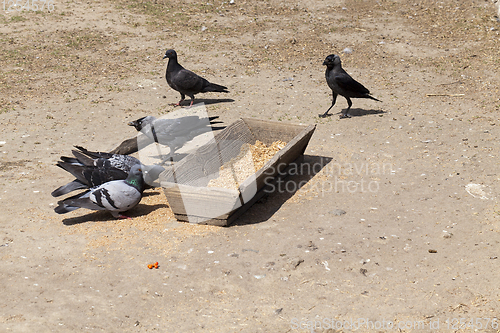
120,216
183,97
192,101
334,99
346,113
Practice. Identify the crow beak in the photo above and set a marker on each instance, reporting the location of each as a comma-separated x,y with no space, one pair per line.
132,123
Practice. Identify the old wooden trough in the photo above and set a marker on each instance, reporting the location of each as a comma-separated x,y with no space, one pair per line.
185,184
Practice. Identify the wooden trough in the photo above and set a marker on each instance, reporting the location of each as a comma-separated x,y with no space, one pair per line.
185,184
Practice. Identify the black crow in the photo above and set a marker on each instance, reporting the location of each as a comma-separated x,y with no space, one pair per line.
342,84
175,132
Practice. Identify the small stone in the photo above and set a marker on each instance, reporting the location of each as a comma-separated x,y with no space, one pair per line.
347,50
338,212
433,251
294,263
447,234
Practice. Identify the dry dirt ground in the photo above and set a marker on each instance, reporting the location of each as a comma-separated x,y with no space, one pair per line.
416,174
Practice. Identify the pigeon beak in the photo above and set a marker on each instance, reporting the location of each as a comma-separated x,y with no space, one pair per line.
165,56
324,63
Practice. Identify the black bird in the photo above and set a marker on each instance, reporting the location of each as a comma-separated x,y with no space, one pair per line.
187,82
92,169
174,133
115,196
342,84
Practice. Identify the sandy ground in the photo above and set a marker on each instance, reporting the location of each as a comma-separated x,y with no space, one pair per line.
417,174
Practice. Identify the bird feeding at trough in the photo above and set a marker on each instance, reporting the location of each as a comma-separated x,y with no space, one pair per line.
92,169
115,196
186,82
342,84
176,132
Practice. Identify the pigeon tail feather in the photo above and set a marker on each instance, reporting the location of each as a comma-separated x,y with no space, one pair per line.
213,87
70,187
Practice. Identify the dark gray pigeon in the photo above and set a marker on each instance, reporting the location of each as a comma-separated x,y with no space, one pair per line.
174,133
90,170
187,82
342,84
115,196
87,176
122,162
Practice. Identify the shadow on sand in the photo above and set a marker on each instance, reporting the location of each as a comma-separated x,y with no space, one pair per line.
299,176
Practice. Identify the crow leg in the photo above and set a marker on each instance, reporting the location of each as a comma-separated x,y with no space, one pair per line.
334,99
183,97
169,157
346,114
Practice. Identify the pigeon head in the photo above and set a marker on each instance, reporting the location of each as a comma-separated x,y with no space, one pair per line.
135,177
332,60
170,54
140,123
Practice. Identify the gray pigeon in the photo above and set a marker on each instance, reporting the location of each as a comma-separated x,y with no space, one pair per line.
90,171
174,133
115,196
187,82
342,84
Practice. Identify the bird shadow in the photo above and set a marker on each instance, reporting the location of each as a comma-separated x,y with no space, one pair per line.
103,216
356,113
208,101
300,175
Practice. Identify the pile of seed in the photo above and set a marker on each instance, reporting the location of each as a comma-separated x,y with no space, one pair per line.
250,159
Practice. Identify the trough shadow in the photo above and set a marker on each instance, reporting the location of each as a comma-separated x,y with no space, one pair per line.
271,202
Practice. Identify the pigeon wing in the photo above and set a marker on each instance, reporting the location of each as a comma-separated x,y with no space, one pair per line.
115,196
187,81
